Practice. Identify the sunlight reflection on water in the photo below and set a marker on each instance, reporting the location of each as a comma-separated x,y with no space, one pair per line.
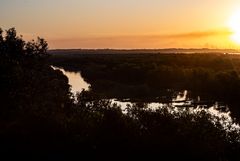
224,118
179,105
75,79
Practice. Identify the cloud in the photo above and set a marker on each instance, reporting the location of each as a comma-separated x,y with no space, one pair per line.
188,39
200,34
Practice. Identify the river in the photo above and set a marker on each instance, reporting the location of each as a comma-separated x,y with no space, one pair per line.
179,104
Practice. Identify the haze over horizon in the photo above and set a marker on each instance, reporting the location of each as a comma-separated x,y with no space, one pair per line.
135,24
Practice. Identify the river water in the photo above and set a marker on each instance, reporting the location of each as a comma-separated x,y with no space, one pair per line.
75,79
179,104
78,84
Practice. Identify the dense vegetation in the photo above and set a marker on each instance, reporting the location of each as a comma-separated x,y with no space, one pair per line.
152,77
40,121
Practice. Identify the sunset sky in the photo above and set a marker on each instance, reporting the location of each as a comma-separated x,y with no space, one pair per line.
126,23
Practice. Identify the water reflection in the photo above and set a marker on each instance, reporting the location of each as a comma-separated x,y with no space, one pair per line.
178,106
75,79
180,100
219,118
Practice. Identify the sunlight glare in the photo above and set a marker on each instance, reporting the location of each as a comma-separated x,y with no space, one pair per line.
234,25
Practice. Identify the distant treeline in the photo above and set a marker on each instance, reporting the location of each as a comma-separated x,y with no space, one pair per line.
141,51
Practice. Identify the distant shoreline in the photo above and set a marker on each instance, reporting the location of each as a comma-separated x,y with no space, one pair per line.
145,51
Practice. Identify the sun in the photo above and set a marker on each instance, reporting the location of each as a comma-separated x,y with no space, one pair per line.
234,25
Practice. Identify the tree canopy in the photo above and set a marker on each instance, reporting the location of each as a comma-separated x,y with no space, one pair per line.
14,46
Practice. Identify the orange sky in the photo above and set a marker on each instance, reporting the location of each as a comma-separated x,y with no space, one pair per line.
125,23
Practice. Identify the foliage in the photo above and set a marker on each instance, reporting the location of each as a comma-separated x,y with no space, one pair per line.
26,79
15,47
151,134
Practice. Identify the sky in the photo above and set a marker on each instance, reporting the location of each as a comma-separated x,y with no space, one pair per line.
125,24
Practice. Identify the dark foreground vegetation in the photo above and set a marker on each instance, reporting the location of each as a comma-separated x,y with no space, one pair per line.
40,121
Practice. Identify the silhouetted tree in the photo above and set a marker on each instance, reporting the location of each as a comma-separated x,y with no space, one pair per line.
15,47
26,80
1,41
38,48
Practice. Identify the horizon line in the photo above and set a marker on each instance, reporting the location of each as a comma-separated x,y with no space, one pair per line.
145,49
